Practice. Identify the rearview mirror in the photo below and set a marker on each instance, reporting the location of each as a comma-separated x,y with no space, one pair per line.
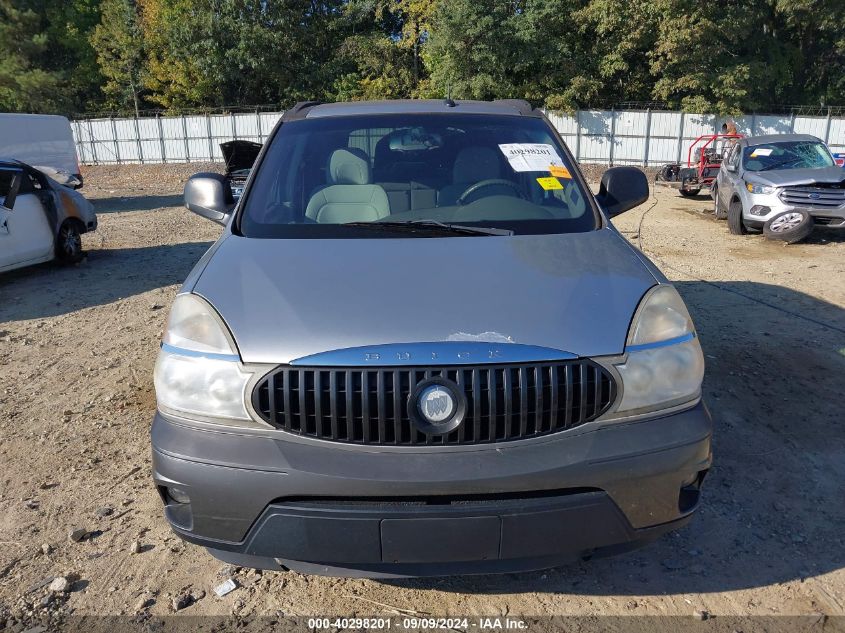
622,188
210,195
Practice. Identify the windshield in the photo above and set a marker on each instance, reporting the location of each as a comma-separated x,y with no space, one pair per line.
414,175
787,155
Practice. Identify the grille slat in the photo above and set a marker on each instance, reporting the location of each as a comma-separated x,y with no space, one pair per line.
397,407
553,390
476,405
823,197
492,397
333,403
508,385
523,402
582,403
349,418
568,393
286,394
318,400
538,398
369,405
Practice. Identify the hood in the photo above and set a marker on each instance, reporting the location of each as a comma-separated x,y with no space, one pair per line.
59,175
239,154
793,177
286,299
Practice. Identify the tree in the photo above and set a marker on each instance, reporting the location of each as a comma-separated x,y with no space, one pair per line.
120,53
472,48
230,52
814,29
613,41
382,57
715,56
46,64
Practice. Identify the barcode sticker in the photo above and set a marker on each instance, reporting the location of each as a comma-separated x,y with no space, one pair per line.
530,156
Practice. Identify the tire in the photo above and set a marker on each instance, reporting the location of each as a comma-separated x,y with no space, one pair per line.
69,243
690,193
735,223
789,227
718,211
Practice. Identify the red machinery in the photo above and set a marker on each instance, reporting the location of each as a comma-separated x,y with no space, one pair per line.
704,158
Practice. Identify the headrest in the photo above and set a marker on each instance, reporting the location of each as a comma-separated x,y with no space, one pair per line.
474,164
349,167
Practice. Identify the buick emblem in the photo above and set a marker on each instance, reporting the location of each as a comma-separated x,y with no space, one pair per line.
437,405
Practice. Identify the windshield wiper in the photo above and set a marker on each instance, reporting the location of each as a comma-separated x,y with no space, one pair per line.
432,225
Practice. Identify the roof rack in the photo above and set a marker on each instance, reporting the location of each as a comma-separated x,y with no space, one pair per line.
521,105
299,111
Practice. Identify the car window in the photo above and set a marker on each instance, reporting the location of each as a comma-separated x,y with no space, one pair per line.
5,182
733,159
322,176
787,155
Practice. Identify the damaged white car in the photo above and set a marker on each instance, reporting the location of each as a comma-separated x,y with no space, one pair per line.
40,219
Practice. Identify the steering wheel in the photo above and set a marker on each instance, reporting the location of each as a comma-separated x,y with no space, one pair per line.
491,182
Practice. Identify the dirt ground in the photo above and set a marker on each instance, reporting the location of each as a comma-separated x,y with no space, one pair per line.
77,347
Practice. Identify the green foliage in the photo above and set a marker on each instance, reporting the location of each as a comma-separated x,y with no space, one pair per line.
46,63
223,52
120,53
722,56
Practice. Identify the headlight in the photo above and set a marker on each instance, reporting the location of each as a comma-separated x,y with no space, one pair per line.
754,188
198,373
664,365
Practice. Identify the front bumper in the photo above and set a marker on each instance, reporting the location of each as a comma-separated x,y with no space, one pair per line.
827,216
318,507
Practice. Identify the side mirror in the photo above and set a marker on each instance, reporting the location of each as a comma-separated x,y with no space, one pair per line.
729,167
622,188
210,195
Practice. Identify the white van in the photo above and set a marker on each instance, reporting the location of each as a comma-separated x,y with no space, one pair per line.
44,142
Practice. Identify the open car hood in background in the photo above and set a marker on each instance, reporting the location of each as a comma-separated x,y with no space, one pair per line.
239,155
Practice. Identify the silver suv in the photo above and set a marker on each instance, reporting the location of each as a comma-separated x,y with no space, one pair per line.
420,348
782,184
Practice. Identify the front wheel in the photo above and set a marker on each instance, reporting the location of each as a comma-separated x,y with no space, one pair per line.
69,243
719,212
789,227
735,223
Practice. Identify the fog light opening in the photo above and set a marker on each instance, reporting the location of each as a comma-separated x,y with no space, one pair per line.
690,491
759,209
177,495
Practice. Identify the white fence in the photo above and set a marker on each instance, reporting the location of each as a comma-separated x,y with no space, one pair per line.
616,137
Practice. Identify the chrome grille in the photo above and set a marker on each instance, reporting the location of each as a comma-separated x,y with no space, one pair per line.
822,197
370,405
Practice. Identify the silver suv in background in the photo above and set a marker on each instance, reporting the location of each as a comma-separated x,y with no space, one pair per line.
783,184
420,348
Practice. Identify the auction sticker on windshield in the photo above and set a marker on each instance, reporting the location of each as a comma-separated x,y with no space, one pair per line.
559,172
530,156
550,183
